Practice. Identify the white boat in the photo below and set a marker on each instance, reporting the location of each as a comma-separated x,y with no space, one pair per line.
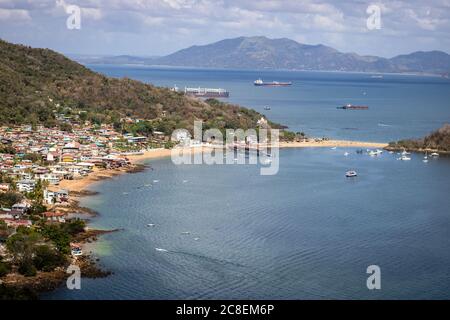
346,154
161,250
404,153
373,153
404,158
151,225
434,154
425,160
350,174
334,148
77,252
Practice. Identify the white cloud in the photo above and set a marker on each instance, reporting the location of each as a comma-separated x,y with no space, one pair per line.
14,15
177,23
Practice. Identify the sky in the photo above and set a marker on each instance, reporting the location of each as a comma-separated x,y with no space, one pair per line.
160,27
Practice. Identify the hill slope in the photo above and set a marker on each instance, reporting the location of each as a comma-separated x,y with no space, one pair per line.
264,53
35,83
438,140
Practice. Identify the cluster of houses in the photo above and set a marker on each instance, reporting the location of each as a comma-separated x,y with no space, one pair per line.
48,156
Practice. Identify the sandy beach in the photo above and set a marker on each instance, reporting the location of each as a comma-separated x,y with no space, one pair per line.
333,143
80,185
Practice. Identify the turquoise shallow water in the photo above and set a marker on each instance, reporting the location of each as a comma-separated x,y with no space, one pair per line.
305,233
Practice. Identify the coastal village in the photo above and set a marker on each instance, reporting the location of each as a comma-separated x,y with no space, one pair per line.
44,171
36,166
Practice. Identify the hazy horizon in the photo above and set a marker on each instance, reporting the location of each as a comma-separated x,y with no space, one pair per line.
87,54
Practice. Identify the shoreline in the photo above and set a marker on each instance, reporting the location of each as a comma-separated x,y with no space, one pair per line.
49,281
31,288
79,186
153,66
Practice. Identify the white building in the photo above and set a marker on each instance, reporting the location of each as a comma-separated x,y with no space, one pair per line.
26,185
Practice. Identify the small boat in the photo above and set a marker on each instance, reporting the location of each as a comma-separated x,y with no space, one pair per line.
346,154
266,108
425,160
161,250
334,148
151,225
434,154
155,181
350,174
77,252
185,233
359,151
404,158
373,153
404,153
196,239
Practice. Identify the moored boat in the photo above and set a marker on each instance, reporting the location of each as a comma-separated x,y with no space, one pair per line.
206,92
434,154
351,173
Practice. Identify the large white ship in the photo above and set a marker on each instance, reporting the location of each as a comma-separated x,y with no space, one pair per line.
205,92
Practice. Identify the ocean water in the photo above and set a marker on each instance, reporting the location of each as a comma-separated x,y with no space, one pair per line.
306,233
400,106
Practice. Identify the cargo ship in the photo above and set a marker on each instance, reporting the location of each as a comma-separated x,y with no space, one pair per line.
353,107
261,83
206,92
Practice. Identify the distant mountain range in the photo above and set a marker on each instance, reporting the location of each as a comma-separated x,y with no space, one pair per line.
284,54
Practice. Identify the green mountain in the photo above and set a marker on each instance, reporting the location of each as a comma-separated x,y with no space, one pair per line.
260,53
37,84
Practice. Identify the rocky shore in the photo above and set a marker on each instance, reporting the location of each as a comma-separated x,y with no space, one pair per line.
15,286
